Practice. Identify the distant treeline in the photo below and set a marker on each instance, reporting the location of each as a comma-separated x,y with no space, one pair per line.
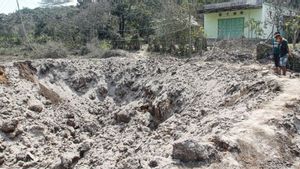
164,25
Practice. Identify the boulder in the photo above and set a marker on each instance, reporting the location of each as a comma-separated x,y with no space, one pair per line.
35,105
9,126
263,50
122,116
192,151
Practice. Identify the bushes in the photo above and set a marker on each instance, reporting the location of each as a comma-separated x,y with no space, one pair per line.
96,48
114,53
51,49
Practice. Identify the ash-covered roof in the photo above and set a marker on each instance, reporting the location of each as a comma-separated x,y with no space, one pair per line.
233,5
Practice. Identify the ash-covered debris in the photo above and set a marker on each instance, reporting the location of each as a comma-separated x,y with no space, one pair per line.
192,151
130,113
233,51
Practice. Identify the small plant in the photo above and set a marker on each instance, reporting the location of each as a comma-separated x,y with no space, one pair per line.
104,45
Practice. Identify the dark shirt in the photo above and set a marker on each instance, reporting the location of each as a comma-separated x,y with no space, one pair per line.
284,48
276,50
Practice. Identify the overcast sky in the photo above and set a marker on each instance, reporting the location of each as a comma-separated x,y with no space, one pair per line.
9,6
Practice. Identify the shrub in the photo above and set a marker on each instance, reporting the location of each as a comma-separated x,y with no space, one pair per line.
104,45
114,53
98,49
51,49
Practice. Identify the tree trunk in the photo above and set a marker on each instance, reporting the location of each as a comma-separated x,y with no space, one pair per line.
122,25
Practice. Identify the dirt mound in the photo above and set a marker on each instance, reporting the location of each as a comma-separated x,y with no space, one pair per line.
26,70
241,44
232,51
233,56
138,113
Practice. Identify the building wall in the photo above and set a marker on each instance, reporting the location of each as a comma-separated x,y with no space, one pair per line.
211,21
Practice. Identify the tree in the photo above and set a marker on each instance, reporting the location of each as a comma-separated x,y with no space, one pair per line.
293,28
277,18
176,28
254,27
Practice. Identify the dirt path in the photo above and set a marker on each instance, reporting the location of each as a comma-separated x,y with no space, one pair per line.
276,108
273,109
259,140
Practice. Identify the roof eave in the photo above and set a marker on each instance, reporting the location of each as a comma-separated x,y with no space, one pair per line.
213,10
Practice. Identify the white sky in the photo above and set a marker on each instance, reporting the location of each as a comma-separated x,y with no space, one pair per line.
9,6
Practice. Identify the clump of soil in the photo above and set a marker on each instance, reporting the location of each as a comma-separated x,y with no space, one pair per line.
26,70
49,94
3,78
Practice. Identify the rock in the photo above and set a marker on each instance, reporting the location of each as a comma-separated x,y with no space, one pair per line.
66,161
30,164
191,151
26,157
224,144
263,50
2,148
92,96
153,164
90,127
49,94
265,72
291,123
120,91
102,92
69,115
36,108
81,83
9,126
85,147
21,163
2,159
35,105
122,116
71,122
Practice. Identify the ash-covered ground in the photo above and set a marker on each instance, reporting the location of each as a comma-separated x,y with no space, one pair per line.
145,112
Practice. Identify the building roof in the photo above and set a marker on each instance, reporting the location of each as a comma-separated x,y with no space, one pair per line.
232,5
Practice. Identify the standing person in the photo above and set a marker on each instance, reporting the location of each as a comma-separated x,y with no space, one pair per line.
283,52
276,53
